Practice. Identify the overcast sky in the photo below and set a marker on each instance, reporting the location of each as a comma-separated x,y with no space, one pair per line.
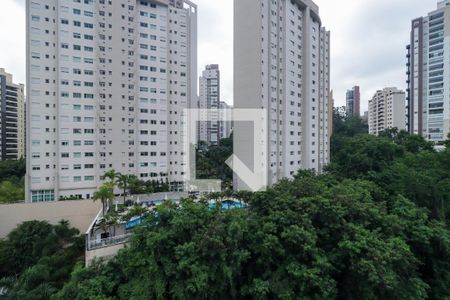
368,39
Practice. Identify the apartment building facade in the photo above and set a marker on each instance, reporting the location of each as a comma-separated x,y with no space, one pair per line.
107,82
209,99
225,120
387,110
330,113
353,102
428,75
12,118
282,64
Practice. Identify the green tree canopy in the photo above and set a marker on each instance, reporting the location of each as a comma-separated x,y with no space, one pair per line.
12,168
37,258
314,237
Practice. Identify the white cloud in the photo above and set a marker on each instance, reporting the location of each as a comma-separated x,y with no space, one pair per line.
215,43
368,39
13,39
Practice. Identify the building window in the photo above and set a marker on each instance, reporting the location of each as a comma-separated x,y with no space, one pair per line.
42,196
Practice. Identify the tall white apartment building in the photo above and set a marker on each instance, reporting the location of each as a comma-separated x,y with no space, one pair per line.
107,82
387,110
226,122
12,118
209,98
281,64
428,109
330,113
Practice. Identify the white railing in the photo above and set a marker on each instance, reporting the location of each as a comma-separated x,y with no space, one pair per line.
111,241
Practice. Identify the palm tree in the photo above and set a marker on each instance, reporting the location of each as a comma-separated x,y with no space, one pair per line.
136,186
111,221
123,182
104,194
111,175
104,226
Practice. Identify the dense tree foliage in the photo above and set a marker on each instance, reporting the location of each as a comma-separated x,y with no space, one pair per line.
36,259
316,236
147,187
12,190
12,180
210,161
375,226
12,168
396,161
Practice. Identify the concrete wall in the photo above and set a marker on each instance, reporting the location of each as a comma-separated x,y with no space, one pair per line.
80,214
103,253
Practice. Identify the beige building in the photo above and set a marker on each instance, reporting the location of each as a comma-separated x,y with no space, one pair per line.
12,118
387,110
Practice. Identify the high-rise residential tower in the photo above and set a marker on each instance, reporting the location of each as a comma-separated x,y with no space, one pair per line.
353,98
387,110
226,122
330,114
428,63
209,98
12,118
281,64
107,84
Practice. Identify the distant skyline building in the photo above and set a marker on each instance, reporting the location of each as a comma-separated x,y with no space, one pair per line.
209,98
428,64
226,122
12,118
387,110
107,84
365,117
281,64
353,101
